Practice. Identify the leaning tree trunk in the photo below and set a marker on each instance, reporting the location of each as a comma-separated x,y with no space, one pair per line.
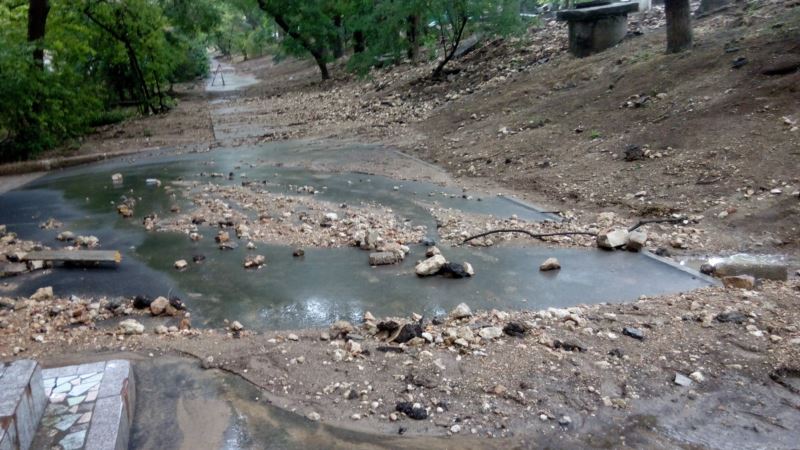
679,25
338,40
37,21
413,37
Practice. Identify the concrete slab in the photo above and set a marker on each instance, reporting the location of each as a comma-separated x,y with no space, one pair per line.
93,410
22,403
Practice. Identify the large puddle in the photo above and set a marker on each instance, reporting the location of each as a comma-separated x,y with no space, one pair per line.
325,285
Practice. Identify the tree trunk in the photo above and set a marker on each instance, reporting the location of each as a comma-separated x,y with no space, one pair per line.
37,21
317,53
679,25
338,40
413,37
359,42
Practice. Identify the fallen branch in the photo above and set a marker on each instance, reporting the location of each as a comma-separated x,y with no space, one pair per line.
649,221
541,236
533,235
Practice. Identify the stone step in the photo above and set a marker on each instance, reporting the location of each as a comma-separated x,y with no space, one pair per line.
22,402
90,406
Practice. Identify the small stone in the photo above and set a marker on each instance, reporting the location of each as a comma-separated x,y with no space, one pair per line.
353,347
740,282
298,252
116,178
313,416
490,333
161,329
43,294
682,380
236,326
550,264
455,429
565,421
181,264
697,376
468,269
461,311
131,326
293,337
432,251
254,261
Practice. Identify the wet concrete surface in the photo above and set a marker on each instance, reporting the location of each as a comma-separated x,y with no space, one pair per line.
325,285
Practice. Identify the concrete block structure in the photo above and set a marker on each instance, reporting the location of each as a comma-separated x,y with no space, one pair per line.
596,26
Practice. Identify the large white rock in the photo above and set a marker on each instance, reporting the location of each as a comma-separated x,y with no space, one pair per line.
430,266
612,238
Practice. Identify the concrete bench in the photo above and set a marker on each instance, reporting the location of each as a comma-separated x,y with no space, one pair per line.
596,26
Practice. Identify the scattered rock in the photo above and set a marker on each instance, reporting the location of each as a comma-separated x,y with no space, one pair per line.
514,329
236,326
634,333
570,346
131,326
293,337
66,236
430,266
432,251
634,153
490,333
412,410
697,376
461,311
298,252
468,269
254,261
181,264
116,178
682,380
550,264
43,294
383,258
731,316
454,270
341,328
313,416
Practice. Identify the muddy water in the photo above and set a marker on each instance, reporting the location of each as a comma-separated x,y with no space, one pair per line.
180,406
325,285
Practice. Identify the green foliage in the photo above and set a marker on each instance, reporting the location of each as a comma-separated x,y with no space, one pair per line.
90,49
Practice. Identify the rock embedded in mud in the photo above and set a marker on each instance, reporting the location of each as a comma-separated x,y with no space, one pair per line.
236,326
181,264
383,258
634,333
293,337
66,236
341,328
430,266
142,302
634,153
461,311
222,237
731,316
470,271
550,264
298,252
116,178
514,329
740,282
124,210
412,410
43,294
254,261
570,346
313,416
612,238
